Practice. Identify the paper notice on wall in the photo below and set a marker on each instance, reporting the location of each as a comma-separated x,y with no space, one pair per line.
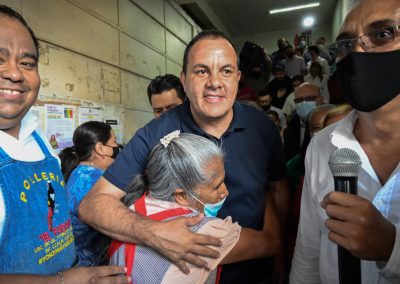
116,126
89,114
60,125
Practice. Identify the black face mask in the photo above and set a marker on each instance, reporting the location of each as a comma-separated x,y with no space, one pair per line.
369,80
116,151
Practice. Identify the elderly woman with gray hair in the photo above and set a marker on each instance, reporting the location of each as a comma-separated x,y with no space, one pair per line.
184,176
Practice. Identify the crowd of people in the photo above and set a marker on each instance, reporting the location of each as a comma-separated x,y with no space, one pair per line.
228,184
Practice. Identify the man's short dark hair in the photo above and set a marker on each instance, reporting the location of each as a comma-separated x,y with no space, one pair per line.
7,11
165,83
279,67
298,77
213,34
315,49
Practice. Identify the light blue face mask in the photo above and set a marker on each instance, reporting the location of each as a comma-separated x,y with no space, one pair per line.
210,209
303,109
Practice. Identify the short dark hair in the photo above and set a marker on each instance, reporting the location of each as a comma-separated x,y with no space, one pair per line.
298,77
213,34
315,49
279,67
7,11
165,83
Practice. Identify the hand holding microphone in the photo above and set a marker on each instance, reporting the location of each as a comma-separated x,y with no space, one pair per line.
345,165
354,222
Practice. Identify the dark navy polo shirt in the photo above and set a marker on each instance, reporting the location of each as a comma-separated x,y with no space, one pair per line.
253,156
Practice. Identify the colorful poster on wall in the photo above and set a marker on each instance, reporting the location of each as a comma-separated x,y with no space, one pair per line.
60,125
89,114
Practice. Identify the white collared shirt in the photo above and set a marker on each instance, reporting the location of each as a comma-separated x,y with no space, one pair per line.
24,148
315,257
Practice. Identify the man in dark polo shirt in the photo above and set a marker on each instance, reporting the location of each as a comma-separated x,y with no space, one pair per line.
254,162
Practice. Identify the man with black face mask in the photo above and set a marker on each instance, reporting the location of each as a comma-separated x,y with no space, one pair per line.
367,225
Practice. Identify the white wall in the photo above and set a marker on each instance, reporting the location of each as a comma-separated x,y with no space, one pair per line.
269,40
105,51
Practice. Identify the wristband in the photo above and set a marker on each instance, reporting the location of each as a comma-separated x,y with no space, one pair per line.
62,277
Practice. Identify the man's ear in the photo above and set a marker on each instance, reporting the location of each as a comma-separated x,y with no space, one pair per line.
181,197
182,77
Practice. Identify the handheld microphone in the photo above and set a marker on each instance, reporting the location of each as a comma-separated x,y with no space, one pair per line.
345,165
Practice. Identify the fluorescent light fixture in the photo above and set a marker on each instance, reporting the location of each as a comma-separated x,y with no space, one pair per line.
292,8
308,22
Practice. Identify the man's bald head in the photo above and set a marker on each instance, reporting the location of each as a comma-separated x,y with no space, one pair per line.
307,90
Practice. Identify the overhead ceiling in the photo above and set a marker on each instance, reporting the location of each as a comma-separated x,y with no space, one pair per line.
251,16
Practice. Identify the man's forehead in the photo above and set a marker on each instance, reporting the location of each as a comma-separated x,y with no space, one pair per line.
19,32
368,15
308,91
213,43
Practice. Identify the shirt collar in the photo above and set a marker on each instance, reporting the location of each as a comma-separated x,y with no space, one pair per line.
29,123
189,125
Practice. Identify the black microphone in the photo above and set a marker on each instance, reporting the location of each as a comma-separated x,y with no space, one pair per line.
345,165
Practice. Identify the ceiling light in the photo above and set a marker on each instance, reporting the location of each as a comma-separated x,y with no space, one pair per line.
292,8
308,22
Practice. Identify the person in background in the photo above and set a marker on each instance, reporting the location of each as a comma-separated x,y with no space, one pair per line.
315,52
296,169
324,51
290,106
294,64
335,114
279,55
210,76
317,78
256,80
280,87
94,150
246,93
366,224
165,92
307,97
184,176
317,117
265,102
37,243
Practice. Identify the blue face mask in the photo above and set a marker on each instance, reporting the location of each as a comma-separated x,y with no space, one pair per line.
303,109
211,209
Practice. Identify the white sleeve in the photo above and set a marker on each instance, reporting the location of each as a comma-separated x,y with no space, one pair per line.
391,271
305,264
303,65
326,69
282,119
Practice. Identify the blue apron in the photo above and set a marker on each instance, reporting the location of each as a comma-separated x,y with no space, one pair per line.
37,235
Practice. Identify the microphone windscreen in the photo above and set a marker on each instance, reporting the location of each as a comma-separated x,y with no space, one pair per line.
345,162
